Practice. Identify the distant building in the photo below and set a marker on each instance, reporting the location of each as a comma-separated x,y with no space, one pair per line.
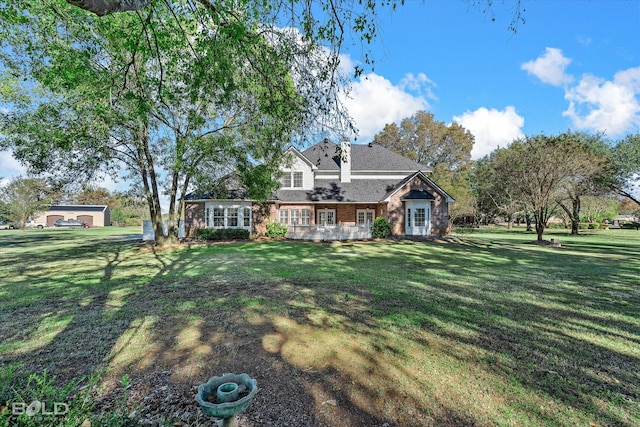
93,216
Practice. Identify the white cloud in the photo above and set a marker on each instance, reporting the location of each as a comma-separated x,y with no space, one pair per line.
609,106
9,167
374,101
491,128
550,67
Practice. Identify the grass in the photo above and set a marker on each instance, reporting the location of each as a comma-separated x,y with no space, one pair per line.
487,330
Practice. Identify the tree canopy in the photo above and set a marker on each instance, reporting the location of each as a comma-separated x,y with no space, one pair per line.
23,198
162,91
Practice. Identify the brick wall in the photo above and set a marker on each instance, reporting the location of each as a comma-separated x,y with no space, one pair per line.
439,208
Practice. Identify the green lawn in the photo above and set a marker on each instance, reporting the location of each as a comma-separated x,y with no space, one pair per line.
482,329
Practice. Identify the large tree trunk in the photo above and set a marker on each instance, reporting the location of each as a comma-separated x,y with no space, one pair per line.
540,224
573,214
527,218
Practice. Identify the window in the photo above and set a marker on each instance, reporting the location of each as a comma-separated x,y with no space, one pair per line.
297,179
420,217
295,217
232,217
364,216
292,180
246,217
408,217
286,180
326,217
228,215
218,217
306,216
284,217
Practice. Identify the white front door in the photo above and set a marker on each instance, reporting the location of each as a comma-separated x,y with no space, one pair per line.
417,214
326,217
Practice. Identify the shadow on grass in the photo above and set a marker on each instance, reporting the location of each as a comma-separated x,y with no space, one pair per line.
353,340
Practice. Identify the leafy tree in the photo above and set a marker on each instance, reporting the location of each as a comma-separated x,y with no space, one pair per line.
117,216
536,169
160,91
428,141
24,198
94,195
598,208
588,162
494,197
624,173
445,148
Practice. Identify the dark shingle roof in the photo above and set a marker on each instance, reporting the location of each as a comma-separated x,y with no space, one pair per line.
417,195
356,191
228,187
78,208
364,157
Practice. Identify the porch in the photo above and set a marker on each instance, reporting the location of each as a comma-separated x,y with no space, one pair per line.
345,231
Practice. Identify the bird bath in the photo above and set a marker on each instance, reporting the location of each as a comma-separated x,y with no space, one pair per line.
224,397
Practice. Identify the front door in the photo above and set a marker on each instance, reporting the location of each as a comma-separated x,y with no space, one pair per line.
417,214
326,217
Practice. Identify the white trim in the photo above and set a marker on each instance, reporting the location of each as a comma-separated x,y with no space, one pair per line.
218,204
428,181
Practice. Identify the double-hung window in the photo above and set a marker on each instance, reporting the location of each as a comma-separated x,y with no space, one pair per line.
295,217
246,217
306,216
232,217
218,217
284,216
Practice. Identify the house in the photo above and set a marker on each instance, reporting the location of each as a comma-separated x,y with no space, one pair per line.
92,215
330,185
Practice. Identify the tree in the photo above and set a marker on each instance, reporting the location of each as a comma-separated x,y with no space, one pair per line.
588,162
24,198
599,208
536,169
428,141
94,195
171,85
624,172
493,195
161,91
445,148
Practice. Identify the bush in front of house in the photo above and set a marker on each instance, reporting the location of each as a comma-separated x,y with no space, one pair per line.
275,229
221,234
381,228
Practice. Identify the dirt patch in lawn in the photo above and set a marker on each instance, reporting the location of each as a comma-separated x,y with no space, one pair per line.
317,353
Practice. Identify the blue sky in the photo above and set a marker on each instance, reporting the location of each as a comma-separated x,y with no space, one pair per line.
574,64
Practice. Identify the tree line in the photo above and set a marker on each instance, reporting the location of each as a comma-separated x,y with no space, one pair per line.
536,177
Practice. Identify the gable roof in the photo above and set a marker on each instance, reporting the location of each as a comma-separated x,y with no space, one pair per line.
364,157
426,179
228,187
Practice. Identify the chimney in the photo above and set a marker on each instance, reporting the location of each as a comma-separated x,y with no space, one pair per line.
345,161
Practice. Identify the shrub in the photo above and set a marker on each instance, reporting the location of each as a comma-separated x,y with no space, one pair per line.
381,228
275,229
221,234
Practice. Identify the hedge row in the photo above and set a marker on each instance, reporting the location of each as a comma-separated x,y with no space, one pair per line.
221,234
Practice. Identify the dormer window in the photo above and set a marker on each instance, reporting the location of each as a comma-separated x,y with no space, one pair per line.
292,180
